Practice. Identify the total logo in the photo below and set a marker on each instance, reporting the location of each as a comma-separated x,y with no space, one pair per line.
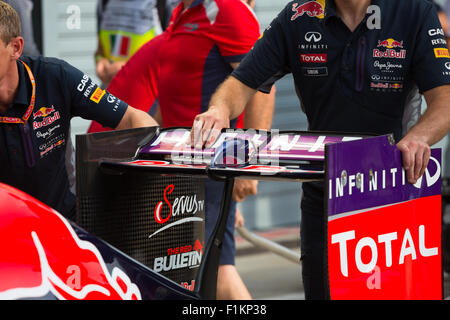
408,248
313,58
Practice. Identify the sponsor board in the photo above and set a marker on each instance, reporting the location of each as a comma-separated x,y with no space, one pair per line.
383,232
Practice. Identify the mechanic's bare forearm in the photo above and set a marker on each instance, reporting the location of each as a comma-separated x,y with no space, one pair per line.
259,111
435,122
232,96
135,118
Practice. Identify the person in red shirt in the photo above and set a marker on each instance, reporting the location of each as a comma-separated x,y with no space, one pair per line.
203,43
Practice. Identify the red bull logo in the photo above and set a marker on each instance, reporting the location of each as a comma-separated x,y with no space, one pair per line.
390,43
45,257
48,120
310,8
389,53
43,112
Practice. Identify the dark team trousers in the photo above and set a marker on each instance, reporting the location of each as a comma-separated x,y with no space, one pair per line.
213,197
312,240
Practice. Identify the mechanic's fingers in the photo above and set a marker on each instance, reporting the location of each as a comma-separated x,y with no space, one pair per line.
240,221
418,162
237,194
254,190
238,198
408,161
213,135
201,132
425,158
419,168
196,131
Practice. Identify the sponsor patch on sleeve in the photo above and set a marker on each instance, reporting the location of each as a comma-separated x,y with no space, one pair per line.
97,95
441,53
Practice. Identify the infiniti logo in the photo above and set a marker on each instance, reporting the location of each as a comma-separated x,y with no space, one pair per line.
313,36
447,65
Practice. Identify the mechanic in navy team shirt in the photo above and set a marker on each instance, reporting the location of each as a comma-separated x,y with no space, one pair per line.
38,97
358,66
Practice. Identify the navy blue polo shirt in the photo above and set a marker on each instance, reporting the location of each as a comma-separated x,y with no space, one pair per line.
352,81
34,159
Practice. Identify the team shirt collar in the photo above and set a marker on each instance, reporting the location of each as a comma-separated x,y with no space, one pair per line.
22,96
330,10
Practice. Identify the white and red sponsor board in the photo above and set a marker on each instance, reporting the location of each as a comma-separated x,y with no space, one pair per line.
384,235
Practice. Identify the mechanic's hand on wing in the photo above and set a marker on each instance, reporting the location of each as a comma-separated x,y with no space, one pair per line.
207,127
239,222
415,154
243,188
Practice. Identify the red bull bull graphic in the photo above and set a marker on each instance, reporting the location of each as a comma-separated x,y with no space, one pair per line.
43,112
310,8
44,256
390,43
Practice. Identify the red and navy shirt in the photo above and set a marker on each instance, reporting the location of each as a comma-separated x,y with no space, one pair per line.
185,65
33,157
357,81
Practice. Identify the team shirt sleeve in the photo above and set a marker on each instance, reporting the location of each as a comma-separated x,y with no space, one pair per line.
235,29
89,101
267,61
431,60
